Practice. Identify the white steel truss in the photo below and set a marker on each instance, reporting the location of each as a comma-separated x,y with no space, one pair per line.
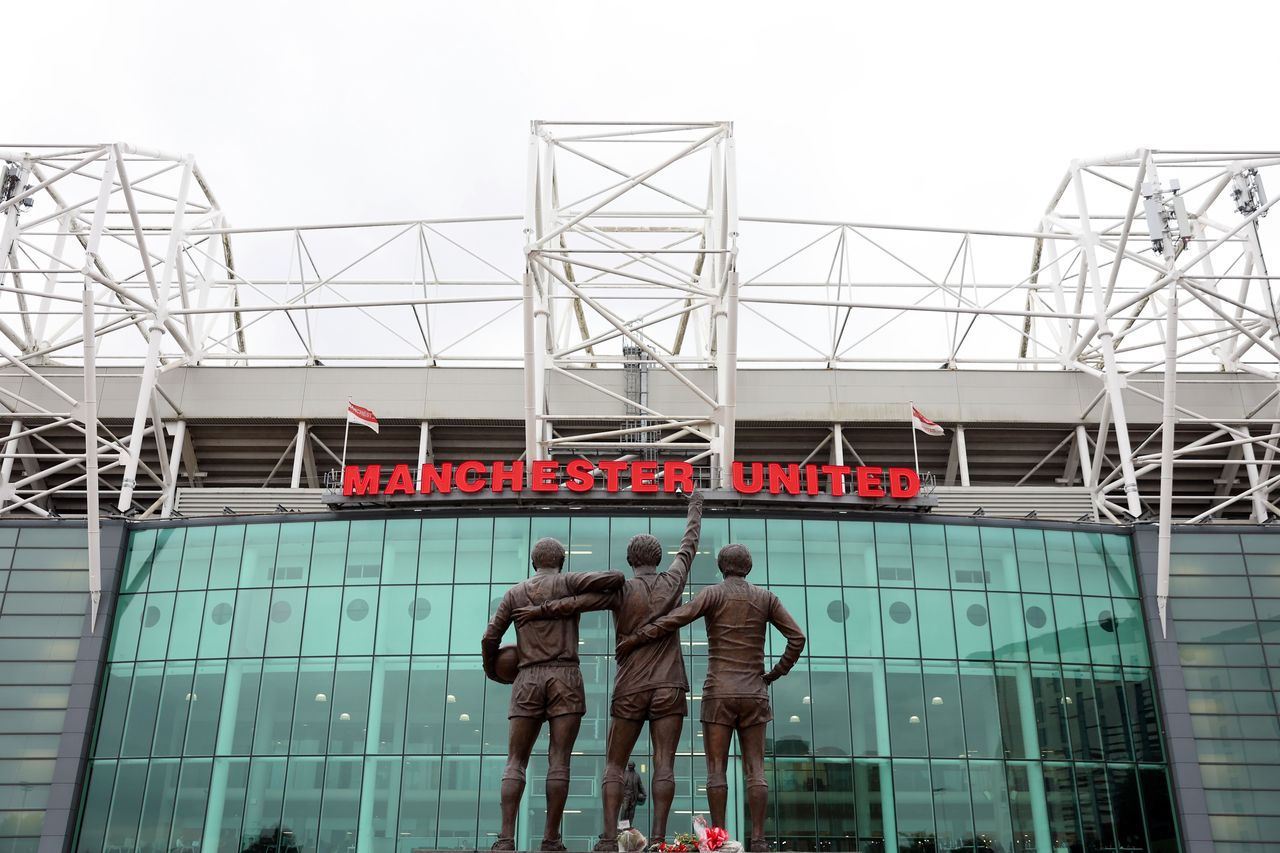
1142,263
631,230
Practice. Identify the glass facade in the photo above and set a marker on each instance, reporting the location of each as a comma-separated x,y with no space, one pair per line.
965,687
1224,591
42,609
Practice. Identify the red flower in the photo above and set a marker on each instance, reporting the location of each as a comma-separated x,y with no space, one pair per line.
715,838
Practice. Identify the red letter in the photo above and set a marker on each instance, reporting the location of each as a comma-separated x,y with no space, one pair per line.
400,482
437,479
740,483
466,484
903,483
835,478
677,474
503,477
642,477
611,471
811,479
544,475
355,483
581,478
780,476
869,485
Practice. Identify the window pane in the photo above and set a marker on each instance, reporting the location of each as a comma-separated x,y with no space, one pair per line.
1092,564
999,558
893,554
821,553
906,710
395,620
899,619
511,550
310,734
184,635
349,706
943,712
913,802
265,801
828,616
293,557
284,626
275,704
167,559
1033,565
207,693
400,551
857,553
301,813
435,553
1061,553
329,552
258,563
1008,625
929,555
981,711
475,547
358,621
973,625
364,552
320,628
937,630
965,554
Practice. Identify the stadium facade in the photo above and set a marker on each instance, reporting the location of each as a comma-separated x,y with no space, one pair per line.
231,620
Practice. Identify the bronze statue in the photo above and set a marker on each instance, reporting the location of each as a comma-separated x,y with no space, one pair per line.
547,686
735,695
651,684
633,794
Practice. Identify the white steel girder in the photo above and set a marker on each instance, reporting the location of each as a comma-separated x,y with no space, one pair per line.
619,239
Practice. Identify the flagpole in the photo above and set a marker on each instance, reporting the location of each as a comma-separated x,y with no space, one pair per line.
911,419
346,416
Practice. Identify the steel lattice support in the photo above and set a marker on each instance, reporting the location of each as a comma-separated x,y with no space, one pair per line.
631,238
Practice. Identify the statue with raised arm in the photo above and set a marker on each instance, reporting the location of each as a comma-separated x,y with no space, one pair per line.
735,695
547,685
651,684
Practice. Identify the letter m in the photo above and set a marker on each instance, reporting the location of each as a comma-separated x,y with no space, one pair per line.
354,483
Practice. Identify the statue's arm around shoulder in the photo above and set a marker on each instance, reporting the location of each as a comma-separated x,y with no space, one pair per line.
559,608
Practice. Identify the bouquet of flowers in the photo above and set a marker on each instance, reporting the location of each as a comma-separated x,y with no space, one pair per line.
631,840
713,838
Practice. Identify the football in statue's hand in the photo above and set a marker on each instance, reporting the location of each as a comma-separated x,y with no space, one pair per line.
507,664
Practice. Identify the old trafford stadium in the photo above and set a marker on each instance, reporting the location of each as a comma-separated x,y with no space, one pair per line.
626,514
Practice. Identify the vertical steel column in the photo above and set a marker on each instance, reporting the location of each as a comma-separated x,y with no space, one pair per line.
6,467
531,423
155,335
93,510
299,453
1166,448
175,465
424,450
962,455
1082,451
1111,371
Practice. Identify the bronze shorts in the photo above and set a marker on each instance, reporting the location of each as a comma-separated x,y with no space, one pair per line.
651,704
543,692
741,712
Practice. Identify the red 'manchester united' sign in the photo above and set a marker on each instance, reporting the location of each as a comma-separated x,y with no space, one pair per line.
642,476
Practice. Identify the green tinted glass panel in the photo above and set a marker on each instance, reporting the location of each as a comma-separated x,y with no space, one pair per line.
325,677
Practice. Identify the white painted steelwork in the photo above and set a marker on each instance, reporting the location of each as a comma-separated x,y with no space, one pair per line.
118,257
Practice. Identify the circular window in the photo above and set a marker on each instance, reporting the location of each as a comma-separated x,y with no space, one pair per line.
420,609
837,611
976,614
151,616
222,614
900,612
1036,617
1106,621
281,611
357,609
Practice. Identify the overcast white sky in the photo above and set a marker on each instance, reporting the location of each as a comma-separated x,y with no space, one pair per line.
948,113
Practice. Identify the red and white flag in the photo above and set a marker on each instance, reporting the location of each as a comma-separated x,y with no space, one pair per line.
362,416
926,426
